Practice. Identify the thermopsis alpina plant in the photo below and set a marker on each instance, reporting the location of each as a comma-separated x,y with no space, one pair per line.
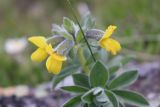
96,84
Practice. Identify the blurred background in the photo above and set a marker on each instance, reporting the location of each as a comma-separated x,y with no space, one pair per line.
138,31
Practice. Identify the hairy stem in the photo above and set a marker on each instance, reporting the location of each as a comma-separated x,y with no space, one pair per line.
82,61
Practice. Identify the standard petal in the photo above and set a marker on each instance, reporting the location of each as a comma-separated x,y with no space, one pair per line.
39,55
39,41
54,66
109,31
111,45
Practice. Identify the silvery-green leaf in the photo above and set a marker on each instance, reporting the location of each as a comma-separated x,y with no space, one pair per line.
60,30
81,80
94,34
73,102
64,47
102,98
87,21
88,97
65,34
132,98
99,75
76,28
68,25
79,36
123,80
55,28
112,98
74,89
54,40
98,90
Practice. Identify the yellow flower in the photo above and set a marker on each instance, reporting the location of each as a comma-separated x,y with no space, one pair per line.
54,62
43,48
108,43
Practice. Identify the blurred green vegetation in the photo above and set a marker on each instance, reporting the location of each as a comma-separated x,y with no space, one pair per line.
137,21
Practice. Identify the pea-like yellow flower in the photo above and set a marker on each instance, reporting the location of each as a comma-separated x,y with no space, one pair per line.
43,48
54,62
108,43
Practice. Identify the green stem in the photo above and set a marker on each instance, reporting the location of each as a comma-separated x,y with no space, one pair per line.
74,38
82,61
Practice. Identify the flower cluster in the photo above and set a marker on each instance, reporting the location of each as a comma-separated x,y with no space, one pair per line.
71,35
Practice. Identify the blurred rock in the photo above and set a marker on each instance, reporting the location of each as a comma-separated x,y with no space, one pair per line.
39,93
9,91
15,46
21,91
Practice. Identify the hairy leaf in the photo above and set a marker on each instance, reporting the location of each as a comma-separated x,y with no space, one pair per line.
112,98
68,24
124,79
88,97
74,102
99,75
131,97
74,89
81,80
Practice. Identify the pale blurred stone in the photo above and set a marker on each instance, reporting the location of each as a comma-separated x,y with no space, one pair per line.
1,91
15,46
9,91
151,95
22,91
154,99
40,93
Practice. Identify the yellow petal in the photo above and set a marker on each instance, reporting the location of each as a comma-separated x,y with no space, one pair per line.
49,49
54,66
110,45
59,57
39,55
39,41
109,31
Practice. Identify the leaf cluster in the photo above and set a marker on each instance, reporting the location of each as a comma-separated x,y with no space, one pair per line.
100,90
